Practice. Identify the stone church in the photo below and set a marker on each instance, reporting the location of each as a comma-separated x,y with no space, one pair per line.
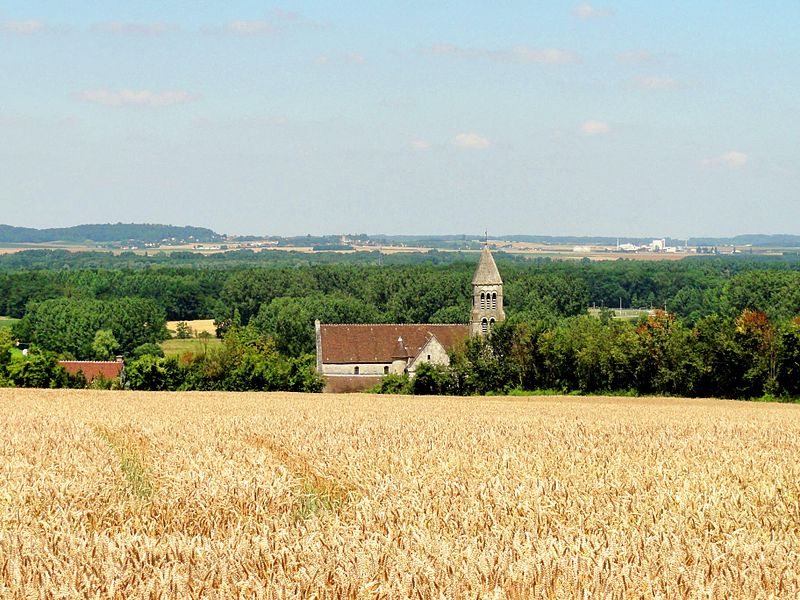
354,357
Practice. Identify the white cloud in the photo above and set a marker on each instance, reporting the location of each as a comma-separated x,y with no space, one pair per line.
654,83
125,28
137,97
420,145
23,27
592,127
518,54
278,20
587,11
634,57
242,27
471,140
732,159
355,59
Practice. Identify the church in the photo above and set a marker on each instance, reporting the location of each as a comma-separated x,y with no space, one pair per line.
354,357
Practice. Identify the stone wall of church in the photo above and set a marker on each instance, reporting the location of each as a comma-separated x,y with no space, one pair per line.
432,352
349,369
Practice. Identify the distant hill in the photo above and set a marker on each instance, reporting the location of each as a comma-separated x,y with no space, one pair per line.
760,240
108,233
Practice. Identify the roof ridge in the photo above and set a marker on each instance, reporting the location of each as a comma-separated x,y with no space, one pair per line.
94,362
391,324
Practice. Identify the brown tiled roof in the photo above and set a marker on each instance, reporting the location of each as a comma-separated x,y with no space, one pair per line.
378,343
92,369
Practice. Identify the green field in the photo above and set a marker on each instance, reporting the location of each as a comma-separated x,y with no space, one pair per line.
176,347
7,322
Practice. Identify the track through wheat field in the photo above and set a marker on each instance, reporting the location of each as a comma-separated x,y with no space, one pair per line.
148,495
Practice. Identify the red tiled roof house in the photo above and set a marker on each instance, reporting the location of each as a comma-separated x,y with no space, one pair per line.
94,369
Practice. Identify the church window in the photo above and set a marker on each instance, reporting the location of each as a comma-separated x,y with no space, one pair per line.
491,324
386,370
484,325
355,371
429,356
483,300
494,299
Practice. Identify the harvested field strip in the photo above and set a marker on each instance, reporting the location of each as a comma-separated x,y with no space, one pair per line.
131,448
319,491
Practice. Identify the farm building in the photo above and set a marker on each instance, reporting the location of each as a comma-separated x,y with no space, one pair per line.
354,357
94,369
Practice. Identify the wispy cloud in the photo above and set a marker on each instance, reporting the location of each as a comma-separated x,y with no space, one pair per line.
518,54
276,21
634,57
420,145
593,127
146,98
654,83
472,141
23,27
128,28
585,10
732,159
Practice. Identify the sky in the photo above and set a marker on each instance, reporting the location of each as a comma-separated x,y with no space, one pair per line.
619,118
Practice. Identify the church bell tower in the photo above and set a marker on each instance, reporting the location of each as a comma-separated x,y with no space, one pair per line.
487,295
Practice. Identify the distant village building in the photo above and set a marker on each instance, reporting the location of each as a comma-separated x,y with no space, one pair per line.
354,357
94,369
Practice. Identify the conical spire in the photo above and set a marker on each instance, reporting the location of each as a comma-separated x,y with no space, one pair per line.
400,350
486,273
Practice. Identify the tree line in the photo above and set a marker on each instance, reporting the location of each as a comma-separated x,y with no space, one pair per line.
90,313
246,361
423,292
743,357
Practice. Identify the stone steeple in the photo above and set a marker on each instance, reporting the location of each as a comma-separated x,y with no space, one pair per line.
487,295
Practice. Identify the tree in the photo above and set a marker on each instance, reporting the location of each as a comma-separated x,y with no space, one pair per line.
105,345
431,380
183,331
665,361
789,359
154,373
69,324
719,355
146,349
290,321
39,369
759,344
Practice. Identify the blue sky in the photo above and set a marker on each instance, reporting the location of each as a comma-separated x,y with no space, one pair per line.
607,118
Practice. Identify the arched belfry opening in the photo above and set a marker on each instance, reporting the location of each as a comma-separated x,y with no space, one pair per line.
487,295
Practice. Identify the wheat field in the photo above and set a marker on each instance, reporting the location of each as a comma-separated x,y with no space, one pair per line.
148,495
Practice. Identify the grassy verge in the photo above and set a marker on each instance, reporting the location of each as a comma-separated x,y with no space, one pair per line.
319,492
7,322
131,450
176,347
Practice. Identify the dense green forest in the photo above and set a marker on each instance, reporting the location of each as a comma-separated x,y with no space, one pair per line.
716,310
